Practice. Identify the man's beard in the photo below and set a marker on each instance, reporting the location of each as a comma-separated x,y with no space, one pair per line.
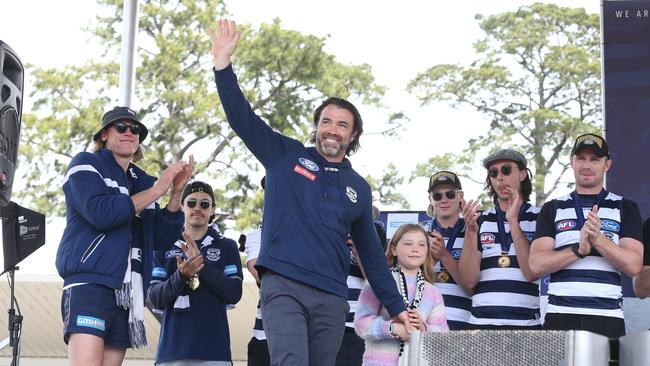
329,150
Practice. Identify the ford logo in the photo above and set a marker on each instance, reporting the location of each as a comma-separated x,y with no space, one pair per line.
610,225
308,164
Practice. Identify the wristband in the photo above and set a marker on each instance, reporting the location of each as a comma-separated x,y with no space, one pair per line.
390,329
575,248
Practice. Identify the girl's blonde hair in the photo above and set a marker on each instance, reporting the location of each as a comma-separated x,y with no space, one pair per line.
427,267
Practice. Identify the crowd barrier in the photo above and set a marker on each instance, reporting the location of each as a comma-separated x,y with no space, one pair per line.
511,347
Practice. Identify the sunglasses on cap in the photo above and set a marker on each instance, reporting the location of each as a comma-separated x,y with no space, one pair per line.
505,170
191,203
437,196
121,128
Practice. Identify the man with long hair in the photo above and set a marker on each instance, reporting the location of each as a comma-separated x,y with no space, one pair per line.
494,262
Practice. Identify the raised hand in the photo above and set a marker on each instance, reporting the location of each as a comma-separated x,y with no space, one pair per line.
194,262
181,179
471,215
515,202
437,245
224,42
592,225
168,176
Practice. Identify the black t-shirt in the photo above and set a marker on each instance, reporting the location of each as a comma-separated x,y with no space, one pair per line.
630,220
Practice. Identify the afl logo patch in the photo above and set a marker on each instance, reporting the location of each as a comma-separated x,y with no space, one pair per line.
487,238
610,225
213,254
308,164
565,225
351,193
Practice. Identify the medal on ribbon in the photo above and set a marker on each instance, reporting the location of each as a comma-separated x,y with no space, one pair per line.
194,282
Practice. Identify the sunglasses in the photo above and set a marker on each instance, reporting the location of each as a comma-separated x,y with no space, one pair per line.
191,203
437,196
505,170
121,128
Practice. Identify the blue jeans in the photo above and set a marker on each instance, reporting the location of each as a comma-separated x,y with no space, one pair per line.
303,325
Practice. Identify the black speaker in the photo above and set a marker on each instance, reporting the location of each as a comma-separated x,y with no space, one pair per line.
12,77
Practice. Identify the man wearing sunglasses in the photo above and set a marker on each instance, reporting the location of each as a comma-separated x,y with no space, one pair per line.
496,264
313,199
113,225
447,230
193,283
585,240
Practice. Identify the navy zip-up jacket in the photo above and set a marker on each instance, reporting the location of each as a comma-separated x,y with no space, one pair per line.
200,330
310,205
95,246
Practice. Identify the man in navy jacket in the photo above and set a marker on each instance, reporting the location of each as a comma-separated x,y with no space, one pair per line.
313,199
193,283
113,223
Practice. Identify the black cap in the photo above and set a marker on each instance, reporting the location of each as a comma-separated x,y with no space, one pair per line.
118,114
197,186
444,177
505,154
593,142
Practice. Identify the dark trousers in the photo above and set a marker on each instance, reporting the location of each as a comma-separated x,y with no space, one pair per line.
352,348
303,325
604,325
258,352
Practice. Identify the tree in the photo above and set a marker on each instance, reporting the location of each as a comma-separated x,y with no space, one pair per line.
283,73
536,78
384,188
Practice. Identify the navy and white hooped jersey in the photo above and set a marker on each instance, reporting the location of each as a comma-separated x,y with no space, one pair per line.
589,286
355,282
503,296
457,301
252,250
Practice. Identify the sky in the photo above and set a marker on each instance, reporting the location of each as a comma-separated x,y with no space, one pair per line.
397,39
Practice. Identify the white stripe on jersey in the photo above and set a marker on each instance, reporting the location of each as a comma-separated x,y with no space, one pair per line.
609,209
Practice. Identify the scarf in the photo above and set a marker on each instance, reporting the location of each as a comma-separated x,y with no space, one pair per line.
400,279
131,296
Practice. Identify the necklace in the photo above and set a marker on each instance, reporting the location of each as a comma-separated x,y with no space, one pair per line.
419,287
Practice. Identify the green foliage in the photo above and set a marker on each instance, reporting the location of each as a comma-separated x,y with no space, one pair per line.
385,188
284,73
535,78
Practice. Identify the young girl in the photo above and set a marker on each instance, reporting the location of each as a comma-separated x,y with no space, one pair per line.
411,264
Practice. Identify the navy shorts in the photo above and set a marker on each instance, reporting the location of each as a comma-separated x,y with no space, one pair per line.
91,309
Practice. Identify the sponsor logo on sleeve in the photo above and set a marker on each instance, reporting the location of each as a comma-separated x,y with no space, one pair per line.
159,272
304,172
230,270
308,164
565,225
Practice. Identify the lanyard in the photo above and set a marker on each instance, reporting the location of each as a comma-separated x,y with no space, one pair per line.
580,216
451,239
506,239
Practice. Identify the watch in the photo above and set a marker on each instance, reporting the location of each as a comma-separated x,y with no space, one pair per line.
575,248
